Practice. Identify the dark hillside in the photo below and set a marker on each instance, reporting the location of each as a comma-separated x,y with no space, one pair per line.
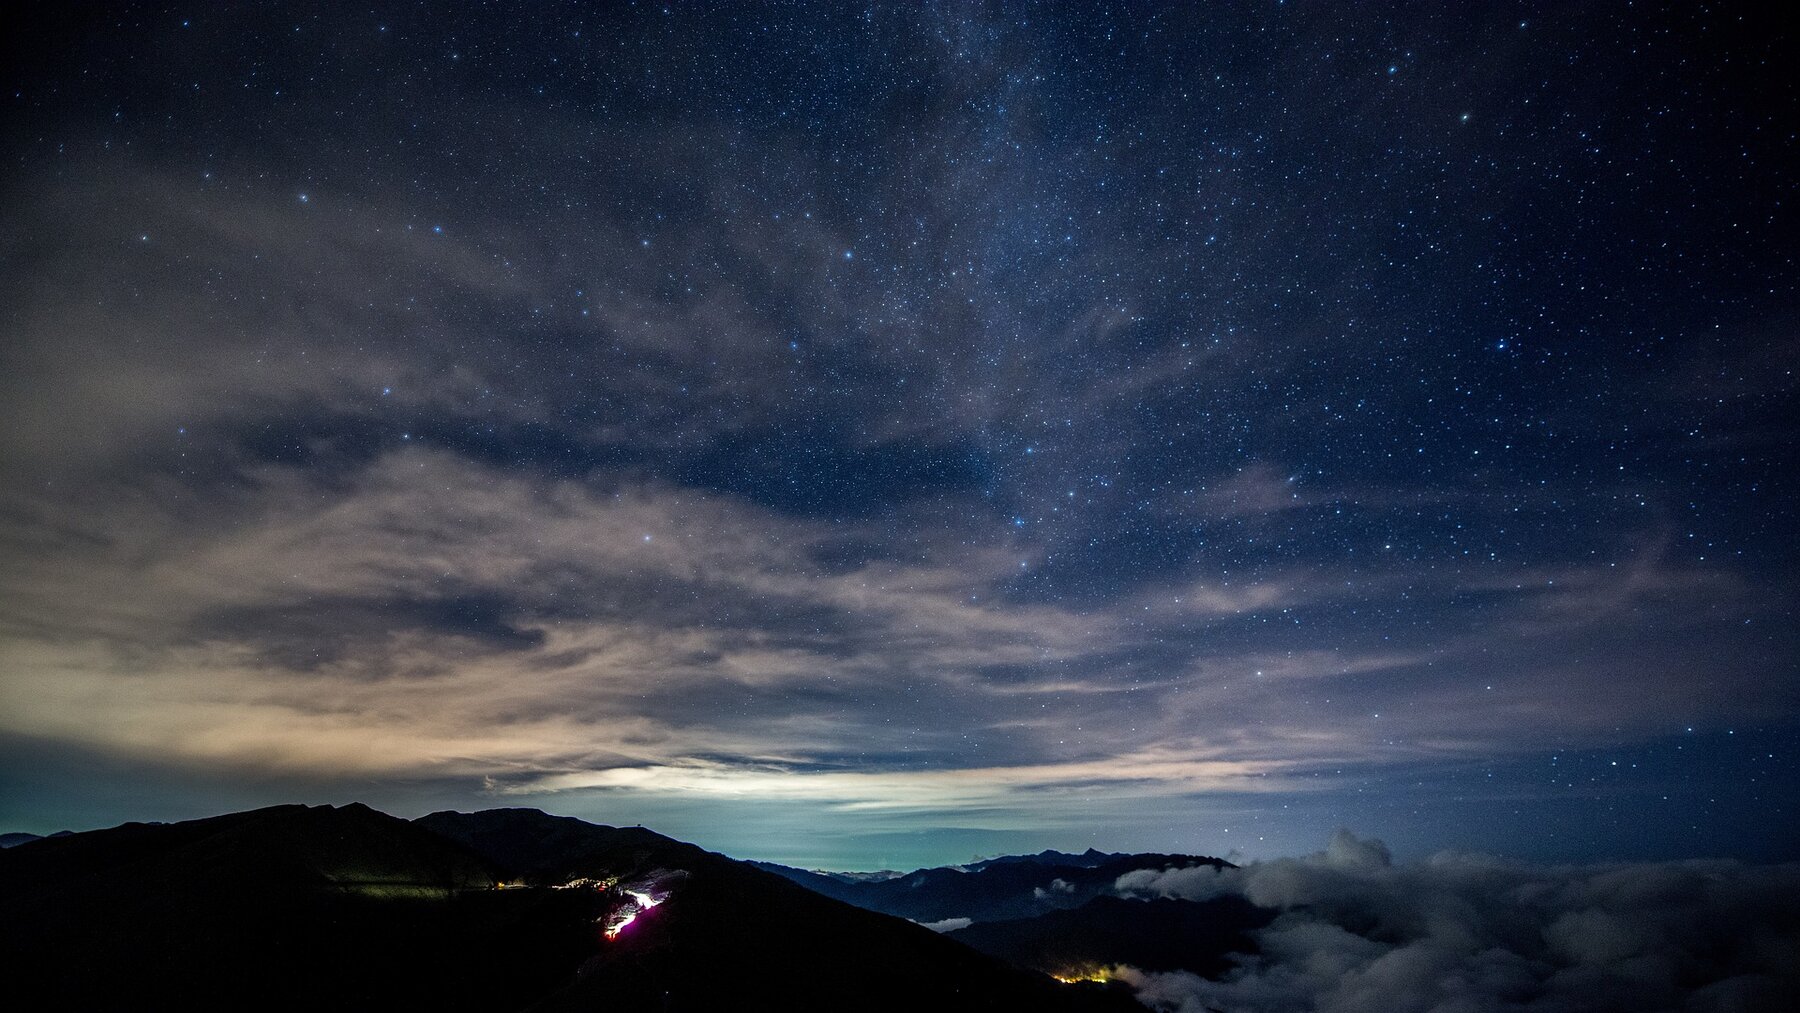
283,908
725,935
349,909
1155,935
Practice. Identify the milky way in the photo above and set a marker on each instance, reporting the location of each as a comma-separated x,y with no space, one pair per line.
866,437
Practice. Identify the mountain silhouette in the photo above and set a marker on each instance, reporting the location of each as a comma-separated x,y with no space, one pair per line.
1087,859
726,935
346,908
282,908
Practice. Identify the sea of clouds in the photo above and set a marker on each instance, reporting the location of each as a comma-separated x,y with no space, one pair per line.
1460,933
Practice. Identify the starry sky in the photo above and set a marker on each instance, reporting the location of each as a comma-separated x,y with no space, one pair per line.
865,436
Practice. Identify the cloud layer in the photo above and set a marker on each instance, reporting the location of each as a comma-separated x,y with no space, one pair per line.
1466,932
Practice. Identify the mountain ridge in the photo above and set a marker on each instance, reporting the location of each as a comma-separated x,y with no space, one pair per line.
292,907
1011,887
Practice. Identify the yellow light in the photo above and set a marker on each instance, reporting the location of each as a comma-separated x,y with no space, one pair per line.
1073,976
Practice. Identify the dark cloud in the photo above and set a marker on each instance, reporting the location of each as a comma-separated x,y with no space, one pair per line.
316,633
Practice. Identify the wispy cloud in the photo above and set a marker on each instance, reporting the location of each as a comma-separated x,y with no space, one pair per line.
940,447
429,616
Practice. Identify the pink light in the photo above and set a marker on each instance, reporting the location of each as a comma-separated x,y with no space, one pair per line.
628,912
612,931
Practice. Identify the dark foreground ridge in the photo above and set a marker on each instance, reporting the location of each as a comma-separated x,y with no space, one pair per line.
348,908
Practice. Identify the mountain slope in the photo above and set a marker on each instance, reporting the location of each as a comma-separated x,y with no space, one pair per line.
283,908
723,934
1154,935
349,909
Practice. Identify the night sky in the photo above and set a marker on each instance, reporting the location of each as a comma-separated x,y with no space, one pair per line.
878,436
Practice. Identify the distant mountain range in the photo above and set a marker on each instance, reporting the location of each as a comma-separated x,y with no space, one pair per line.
1087,859
14,840
1055,911
511,909
987,891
